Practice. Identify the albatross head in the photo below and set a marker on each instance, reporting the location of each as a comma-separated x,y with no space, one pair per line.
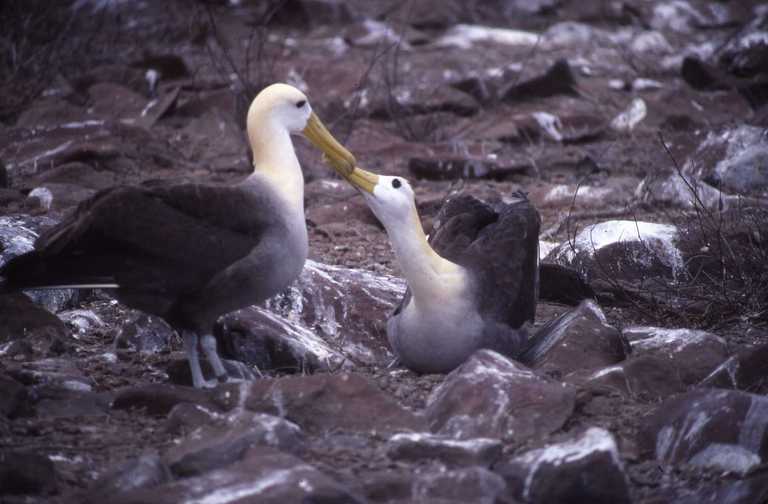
435,282
289,108
390,198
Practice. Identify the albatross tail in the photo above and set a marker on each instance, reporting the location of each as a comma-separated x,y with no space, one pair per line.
34,271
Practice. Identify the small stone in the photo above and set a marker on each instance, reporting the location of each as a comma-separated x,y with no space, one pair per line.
55,374
558,79
422,446
145,333
644,378
630,117
189,416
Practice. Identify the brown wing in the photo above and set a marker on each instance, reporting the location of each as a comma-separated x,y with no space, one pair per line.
499,247
166,239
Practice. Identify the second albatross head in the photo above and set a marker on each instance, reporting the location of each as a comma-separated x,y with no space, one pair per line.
288,108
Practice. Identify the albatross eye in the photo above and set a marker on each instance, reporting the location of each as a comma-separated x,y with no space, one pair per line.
301,103
396,183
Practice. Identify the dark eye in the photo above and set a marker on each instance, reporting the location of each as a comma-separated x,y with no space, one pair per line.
396,183
301,103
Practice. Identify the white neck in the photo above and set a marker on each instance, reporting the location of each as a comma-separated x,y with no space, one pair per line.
433,280
274,159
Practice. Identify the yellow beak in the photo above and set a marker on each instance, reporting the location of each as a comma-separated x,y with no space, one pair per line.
337,156
362,179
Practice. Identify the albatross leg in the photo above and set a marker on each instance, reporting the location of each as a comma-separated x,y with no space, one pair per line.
208,342
190,345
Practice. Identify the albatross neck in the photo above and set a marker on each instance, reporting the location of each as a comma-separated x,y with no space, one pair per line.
433,280
274,159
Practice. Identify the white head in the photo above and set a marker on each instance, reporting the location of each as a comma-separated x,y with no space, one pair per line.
283,107
392,201
433,279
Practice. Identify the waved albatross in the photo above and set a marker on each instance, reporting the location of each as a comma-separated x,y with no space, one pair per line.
192,252
473,284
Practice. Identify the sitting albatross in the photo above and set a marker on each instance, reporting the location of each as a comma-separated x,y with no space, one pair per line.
473,284
192,252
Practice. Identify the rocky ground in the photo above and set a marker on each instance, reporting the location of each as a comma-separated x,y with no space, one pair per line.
638,129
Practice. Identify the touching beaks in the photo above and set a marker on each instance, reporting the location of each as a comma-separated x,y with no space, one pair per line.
336,154
363,179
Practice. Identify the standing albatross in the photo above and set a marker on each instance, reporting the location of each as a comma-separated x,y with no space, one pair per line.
471,285
190,253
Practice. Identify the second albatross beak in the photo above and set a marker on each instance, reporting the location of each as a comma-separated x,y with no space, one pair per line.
338,157
362,179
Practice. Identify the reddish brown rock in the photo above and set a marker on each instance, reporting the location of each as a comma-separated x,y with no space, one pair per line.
229,441
722,429
693,354
159,399
423,446
579,339
584,469
645,378
743,371
266,476
325,402
491,396
330,317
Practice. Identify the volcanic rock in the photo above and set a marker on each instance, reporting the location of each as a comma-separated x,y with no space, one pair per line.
265,476
721,429
422,446
558,79
471,484
329,315
743,371
694,354
326,402
21,319
643,378
229,441
143,472
578,339
159,399
584,469
491,396
145,333
622,250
